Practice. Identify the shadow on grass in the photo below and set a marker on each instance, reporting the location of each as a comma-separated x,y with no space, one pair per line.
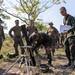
60,67
3,70
11,60
47,73
65,71
62,73
42,57
60,57
50,71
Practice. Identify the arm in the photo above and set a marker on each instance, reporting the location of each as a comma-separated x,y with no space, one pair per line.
56,31
3,33
36,29
72,21
47,31
10,33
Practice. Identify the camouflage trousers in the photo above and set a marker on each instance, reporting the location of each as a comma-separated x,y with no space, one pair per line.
18,41
0,42
53,45
70,48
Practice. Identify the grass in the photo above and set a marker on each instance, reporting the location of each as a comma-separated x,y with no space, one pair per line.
8,48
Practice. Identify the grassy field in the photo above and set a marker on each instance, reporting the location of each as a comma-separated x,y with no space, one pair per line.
58,60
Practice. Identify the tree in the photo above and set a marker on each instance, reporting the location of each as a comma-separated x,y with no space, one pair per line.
58,1
26,10
29,9
2,13
41,26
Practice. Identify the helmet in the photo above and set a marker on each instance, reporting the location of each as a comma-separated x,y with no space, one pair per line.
51,23
44,68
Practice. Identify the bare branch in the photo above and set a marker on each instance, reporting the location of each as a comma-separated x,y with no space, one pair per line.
17,1
13,15
26,4
23,6
42,11
45,9
44,5
31,1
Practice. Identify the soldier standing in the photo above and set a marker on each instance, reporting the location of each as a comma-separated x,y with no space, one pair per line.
30,29
70,41
53,32
17,37
2,36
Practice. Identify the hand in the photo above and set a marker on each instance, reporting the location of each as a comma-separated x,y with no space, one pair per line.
65,32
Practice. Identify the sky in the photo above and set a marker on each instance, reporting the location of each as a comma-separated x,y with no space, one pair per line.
50,15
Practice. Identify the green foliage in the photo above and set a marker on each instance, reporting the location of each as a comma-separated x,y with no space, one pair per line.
30,9
58,1
2,14
1,1
41,26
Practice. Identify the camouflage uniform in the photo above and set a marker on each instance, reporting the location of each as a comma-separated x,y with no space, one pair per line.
70,41
44,40
53,32
31,29
17,38
2,36
62,39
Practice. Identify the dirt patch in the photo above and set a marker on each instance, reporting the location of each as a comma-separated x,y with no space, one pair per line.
59,60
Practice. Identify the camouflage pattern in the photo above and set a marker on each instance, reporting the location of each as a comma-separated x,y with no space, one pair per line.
53,32
44,40
17,38
62,39
69,44
2,36
31,29
70,20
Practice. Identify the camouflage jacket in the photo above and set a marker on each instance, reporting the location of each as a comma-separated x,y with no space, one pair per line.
16,30
53,32
31,29
70,20
2,32
43,38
